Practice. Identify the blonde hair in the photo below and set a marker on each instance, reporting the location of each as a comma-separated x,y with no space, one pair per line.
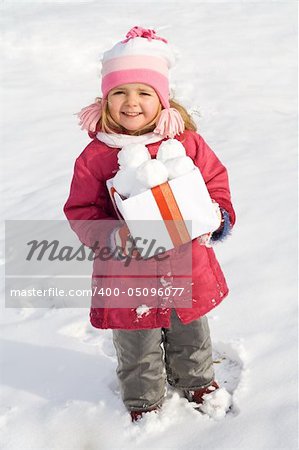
108,125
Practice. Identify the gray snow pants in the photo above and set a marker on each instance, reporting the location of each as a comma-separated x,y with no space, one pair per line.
182,354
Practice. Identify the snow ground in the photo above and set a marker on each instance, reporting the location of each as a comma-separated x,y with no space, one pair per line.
237,68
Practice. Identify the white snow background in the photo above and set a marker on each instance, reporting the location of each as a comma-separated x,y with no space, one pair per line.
237,68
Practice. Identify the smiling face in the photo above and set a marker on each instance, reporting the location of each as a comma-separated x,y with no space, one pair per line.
133,105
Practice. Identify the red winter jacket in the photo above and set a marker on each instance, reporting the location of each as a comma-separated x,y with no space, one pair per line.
89,201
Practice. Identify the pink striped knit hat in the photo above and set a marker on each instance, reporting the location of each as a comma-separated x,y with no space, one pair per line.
143,57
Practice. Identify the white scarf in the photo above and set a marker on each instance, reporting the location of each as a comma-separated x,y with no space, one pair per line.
119,140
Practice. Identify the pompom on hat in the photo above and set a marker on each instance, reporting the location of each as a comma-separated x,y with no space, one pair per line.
143,57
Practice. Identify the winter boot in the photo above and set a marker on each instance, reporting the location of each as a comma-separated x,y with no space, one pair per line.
197,396
137,415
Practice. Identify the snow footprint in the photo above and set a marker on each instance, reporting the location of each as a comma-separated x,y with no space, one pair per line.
85,333
229,364
229,367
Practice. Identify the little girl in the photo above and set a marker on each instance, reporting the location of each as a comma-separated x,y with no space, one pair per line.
135,108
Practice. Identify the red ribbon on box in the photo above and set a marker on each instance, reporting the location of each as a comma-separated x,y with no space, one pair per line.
170,213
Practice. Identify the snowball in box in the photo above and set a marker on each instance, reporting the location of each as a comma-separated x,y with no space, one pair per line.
125,181
178,166
144,213
132,155
172,148
151,173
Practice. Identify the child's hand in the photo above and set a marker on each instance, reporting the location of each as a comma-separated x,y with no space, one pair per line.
218,212
122,243
205,239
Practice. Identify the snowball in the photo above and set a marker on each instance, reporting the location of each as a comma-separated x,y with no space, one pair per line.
152,173
124,181
132,155
216,404
138,172
170,149
178,166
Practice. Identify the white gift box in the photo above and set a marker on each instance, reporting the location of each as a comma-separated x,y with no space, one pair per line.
168,215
